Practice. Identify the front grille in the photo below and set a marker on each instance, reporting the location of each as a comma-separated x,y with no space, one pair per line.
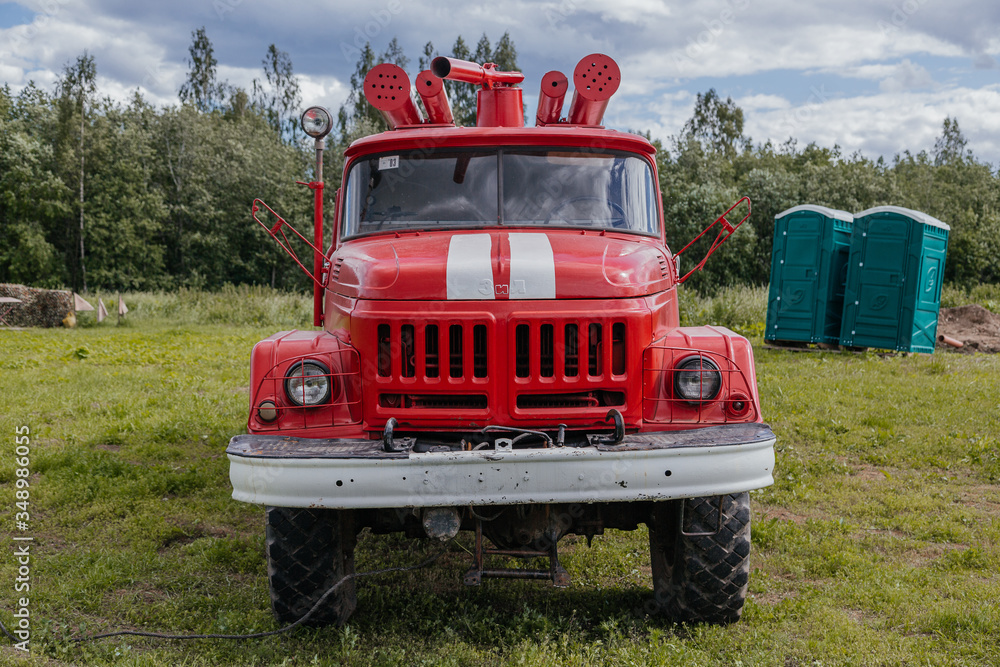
549,351
417,350
465,370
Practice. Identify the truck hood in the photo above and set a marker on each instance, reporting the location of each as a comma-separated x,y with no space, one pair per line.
485,265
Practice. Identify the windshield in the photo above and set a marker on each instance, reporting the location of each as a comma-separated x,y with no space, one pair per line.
555,187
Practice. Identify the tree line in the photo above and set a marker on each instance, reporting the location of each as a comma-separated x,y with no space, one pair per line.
710,163
98,193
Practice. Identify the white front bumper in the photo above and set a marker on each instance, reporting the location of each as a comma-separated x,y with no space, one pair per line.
303,473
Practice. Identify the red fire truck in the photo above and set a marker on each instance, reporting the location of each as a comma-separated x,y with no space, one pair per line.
499,351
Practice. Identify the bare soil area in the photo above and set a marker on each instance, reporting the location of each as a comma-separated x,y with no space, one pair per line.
977,328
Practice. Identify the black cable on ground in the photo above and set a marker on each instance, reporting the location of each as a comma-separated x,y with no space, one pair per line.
7,632
257,635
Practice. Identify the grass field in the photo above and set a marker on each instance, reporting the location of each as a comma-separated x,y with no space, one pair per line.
878,544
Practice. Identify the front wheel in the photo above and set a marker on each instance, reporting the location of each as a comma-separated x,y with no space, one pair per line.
701,565
308,552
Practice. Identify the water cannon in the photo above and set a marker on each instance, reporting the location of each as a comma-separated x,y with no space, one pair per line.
487,76
550,98
595,79
387,88
435,98
498,101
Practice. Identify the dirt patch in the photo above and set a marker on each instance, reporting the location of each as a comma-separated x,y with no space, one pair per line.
188,533
869,474
976,327
771,597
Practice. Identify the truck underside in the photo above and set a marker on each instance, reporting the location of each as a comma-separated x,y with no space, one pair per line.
523,497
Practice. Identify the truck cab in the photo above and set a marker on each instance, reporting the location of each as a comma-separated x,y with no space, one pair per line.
499,351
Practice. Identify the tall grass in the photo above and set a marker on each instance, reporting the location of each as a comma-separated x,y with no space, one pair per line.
243,305
741,308
987,296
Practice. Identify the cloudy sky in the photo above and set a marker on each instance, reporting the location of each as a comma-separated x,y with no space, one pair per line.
877,77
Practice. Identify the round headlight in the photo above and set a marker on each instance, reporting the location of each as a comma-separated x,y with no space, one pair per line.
317,122
697,379
308,383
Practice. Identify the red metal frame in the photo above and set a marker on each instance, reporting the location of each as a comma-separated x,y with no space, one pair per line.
270,363
278,228
342,409
661,406
724,233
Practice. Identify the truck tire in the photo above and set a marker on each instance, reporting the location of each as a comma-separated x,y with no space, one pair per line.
701,578
308,551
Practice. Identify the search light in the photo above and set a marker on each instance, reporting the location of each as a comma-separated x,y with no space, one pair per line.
317,122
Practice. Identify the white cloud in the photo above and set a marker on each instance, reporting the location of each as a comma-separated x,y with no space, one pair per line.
762,102
906,76
892,78
325,91
868,72
627,11
887,123
817,48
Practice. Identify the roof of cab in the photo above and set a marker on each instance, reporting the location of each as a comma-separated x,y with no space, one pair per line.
448,136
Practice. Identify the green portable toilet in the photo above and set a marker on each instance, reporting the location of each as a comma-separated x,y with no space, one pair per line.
894,280
808,271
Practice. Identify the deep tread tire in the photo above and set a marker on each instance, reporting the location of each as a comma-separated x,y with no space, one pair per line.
701,579
308,551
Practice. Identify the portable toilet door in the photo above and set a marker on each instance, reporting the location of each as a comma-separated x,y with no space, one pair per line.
895,273
808,273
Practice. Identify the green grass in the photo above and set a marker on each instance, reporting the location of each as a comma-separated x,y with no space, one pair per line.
878,544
